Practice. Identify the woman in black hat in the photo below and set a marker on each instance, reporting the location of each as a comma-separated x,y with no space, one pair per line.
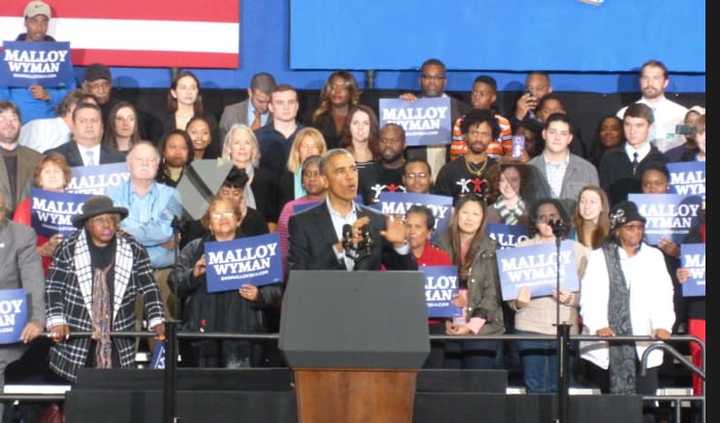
94,280
626,290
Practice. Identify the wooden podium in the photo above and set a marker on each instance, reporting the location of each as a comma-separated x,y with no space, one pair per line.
355,341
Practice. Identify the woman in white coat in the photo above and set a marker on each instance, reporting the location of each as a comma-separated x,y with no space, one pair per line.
626,290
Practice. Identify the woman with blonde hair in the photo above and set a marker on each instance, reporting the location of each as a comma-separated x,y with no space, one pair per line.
261,192
307,142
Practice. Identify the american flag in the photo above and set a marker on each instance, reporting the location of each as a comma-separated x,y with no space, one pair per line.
143,33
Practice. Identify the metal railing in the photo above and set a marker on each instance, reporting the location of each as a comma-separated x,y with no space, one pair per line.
172,336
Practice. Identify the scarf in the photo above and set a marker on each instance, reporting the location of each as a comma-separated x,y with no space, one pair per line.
622,369
101,312
510,216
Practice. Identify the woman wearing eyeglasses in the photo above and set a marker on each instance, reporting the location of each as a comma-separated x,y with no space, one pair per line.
231,311
538,316
473,251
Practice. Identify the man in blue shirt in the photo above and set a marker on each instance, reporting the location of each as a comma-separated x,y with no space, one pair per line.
36,101
152,207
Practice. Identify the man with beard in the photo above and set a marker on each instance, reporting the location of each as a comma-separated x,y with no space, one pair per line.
254,111
388,171
537,86
653,83
475,172
17,162
483,97
433,79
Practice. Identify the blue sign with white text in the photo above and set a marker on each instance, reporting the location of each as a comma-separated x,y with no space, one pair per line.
692,257
507,236
13,315
44,63
398,203
687,178
52,211
97,179
253,260
441,285
426,121
535,267
669,216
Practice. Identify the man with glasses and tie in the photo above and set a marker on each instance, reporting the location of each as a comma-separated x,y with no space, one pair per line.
84,149
620,169
433,79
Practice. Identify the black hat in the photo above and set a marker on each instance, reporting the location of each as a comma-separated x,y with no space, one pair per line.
95,206
624,212
97,71
237,178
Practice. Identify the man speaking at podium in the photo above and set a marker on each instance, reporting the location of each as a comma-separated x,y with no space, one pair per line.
339,234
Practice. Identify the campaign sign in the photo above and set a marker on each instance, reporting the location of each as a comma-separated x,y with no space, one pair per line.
157,361
692,257
13,314
44,63
253,260
669,216
97,179
426,121
535,266
398,203
507,236
52,212
687,178
441,285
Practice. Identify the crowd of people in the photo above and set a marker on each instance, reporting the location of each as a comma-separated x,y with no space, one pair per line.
126,264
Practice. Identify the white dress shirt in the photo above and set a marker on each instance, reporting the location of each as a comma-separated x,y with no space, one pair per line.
651,300
85,157
643,150
339,220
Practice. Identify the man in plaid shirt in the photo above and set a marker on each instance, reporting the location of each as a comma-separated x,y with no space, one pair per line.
96,276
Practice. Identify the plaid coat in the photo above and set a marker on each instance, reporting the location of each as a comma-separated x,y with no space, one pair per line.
68,298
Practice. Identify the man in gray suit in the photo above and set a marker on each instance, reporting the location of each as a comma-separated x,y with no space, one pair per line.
565,174
20,267
17,162
254,111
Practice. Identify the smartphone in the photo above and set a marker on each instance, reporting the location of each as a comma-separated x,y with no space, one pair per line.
684,130
518,146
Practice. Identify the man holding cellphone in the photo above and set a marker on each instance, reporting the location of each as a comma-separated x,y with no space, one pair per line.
537,85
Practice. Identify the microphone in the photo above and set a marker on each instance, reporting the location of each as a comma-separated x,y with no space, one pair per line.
559,228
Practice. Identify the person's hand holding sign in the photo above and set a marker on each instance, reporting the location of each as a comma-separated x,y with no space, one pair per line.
249,292
199,268
38,92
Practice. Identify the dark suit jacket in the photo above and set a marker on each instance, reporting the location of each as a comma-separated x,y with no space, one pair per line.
616,176
27,158
312,236
72,154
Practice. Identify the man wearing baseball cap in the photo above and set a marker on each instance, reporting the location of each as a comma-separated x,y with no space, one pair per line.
98,82
626,291
96,276
36,101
